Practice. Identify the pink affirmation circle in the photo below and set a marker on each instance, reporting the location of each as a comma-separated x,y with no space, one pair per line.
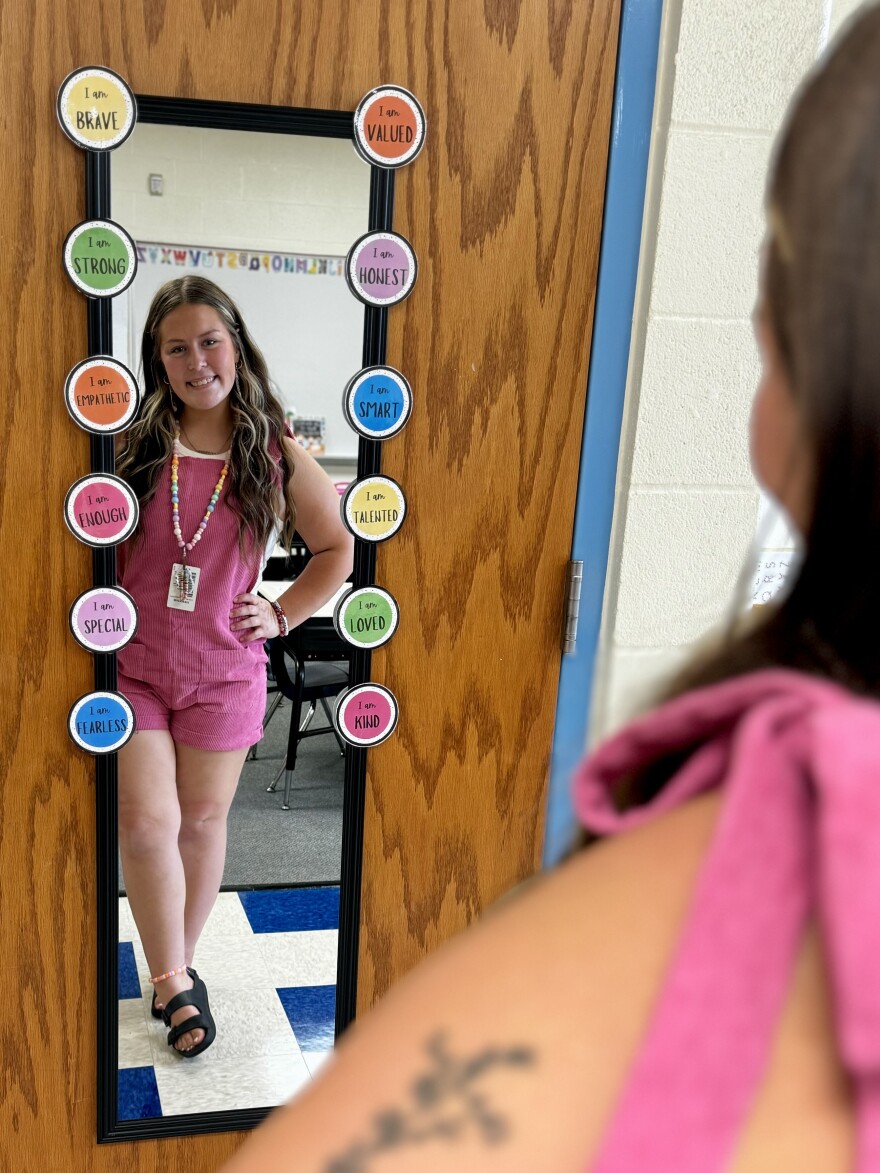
366,714
101,510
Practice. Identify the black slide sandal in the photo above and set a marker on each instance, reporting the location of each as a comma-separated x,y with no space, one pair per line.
198,997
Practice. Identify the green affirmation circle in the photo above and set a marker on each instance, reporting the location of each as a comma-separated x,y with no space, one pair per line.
367,617
100,258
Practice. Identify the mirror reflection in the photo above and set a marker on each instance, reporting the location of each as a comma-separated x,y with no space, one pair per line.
242,332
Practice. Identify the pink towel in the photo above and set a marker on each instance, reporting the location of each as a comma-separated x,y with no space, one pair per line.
798,836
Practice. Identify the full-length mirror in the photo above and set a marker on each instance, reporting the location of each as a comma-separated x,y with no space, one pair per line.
265,219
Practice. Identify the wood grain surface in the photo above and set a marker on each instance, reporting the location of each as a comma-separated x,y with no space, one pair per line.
504,210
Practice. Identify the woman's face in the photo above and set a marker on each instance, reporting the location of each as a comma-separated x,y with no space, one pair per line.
780,459
199,356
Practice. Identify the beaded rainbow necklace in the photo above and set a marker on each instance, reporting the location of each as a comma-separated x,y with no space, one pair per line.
186,547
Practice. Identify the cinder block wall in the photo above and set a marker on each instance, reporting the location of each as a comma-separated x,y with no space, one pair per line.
687,505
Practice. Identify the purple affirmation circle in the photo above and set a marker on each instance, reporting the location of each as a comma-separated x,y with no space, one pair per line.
381,268
104,619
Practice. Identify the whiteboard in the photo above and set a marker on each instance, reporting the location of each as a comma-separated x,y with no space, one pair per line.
298,309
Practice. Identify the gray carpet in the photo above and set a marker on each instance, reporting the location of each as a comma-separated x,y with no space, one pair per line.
303,845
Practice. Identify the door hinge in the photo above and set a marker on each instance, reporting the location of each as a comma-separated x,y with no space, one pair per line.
573,575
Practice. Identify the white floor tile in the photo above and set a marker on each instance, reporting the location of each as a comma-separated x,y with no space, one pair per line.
315,1060
127,927
254,1083
256,1060
134,1043
232,963
300,959
228,919
250,1024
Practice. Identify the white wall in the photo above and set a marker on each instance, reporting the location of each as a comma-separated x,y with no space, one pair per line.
686,504
227,189
247,190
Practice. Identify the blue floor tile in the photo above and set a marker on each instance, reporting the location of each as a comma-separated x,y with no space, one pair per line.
138,1094
311,1011
292,910
129,982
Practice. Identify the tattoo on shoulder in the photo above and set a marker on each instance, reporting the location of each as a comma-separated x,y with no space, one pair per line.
447,1101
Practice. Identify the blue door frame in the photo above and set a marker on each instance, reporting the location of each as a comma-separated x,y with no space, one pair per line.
631,123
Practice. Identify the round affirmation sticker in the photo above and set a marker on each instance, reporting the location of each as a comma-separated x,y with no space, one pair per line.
366,714
102,395
366,617
389,127
96,108
381,268
101,722
103,619
377,402
374,508
100,258
101,510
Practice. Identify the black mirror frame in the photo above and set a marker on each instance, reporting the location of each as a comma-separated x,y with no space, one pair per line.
280,120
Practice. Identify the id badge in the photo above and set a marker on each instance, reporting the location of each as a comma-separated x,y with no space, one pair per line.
184,587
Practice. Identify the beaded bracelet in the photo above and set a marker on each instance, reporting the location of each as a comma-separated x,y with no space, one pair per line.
283,625
170,973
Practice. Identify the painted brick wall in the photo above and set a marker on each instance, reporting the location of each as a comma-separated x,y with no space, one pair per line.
684,538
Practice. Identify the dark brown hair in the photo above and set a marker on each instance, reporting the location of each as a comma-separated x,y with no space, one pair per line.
821,298
260,483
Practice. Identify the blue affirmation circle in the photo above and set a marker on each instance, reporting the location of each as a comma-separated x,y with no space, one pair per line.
377,402
101,722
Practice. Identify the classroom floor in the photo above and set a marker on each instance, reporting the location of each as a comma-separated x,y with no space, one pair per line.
268,959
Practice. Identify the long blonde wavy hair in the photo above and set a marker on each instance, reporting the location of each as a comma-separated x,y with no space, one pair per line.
258,480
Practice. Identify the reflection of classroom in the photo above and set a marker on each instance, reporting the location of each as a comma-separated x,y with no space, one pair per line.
278,907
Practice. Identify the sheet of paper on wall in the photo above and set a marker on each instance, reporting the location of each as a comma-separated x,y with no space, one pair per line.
773,570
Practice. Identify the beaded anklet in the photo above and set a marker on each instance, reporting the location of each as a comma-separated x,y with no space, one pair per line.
170,973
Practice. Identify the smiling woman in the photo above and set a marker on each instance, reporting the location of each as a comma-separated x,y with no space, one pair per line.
199,357
206,381
223,486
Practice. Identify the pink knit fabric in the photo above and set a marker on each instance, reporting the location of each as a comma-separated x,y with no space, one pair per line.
798,836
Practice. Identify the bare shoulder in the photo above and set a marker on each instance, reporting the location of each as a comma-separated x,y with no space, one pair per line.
318,518
508,1048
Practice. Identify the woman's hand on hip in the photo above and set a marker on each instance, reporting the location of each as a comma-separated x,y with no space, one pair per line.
253,618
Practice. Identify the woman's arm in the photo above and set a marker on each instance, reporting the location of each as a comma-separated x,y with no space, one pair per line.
506,1050
319,523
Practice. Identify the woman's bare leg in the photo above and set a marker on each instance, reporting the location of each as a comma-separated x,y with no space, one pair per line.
206,784
155,881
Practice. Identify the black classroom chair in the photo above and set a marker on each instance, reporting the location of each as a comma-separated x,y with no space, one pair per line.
310,665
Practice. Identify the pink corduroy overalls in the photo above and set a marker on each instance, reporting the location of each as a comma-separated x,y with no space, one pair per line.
798,837
186,671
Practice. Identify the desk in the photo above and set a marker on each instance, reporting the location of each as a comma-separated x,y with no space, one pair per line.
272,590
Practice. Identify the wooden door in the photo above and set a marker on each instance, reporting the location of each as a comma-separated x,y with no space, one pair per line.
504,210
